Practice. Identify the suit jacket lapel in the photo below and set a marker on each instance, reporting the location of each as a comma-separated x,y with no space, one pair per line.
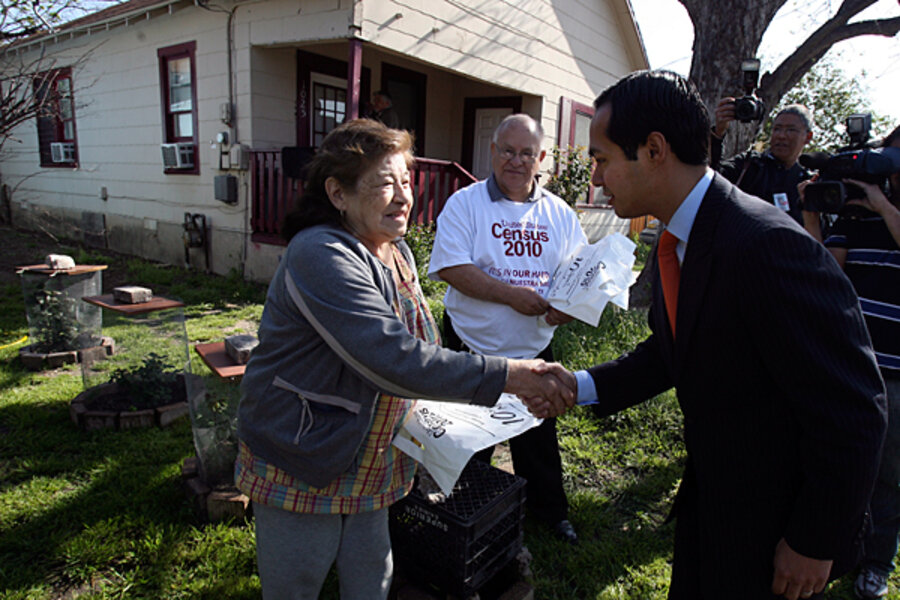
695,270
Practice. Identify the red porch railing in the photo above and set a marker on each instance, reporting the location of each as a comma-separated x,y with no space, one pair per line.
273,194
433,182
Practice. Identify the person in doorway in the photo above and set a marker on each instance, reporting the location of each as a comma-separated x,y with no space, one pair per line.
383,109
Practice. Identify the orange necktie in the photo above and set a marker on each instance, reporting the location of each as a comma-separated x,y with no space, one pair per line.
669,273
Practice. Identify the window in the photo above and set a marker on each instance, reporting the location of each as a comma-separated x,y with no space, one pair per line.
574,132
329,105
178,90
57,144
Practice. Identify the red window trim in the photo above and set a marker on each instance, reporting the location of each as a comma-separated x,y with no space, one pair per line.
187,49
565,136
53,76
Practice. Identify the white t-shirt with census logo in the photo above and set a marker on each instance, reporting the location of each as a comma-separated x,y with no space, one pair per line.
520,243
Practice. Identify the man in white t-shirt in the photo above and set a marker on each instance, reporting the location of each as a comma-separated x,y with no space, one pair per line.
498,243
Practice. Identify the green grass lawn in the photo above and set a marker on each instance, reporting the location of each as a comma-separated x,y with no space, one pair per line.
102,515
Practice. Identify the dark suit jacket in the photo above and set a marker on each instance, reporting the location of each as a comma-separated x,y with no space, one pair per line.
784,408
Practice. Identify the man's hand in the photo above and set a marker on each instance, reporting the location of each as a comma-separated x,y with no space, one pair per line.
798,576
538,406
555,317
526,301
724,115
542,391
475,283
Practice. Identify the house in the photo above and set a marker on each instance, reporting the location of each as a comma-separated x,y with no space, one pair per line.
181,126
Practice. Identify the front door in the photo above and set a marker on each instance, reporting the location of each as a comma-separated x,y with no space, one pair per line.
480,117
486,121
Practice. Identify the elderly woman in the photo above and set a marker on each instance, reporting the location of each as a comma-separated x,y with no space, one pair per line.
346,339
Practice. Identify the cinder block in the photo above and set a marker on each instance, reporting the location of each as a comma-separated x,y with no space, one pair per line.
168,413
60,261
239,347
136,419
99,419
132,294
226,504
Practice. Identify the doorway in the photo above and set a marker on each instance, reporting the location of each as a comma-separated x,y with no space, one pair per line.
407,91
480,118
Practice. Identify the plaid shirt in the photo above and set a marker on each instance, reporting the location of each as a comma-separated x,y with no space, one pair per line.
383,474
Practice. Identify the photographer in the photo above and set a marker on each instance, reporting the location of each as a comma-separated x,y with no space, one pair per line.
772,175
865,240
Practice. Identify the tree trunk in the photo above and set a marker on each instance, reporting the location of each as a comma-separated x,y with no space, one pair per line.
728,31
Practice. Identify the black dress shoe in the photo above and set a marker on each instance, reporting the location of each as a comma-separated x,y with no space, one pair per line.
564,531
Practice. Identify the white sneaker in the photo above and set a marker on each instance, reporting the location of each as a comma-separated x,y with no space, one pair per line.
870,584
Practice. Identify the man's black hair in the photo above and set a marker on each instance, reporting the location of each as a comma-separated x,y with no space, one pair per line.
663,101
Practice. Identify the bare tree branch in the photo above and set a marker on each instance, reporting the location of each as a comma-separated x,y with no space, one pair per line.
774,85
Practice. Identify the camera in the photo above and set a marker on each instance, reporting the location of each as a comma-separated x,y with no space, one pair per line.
829,193
749,107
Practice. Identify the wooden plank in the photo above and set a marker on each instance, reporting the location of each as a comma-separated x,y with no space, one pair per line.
46,270
214,356
156,303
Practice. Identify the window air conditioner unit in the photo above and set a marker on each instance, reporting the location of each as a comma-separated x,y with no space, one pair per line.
62,152
178,156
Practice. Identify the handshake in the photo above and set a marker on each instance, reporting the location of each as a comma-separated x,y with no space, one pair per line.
547,389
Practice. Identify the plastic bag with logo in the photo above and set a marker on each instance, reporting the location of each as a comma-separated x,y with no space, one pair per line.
593,276
443,436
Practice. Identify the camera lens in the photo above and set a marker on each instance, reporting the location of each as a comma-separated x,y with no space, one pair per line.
748,108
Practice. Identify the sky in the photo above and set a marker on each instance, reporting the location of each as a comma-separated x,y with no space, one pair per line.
873,60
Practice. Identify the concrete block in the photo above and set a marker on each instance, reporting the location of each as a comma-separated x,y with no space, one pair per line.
226,504
60,261
136,419
170,412
132,294
239,347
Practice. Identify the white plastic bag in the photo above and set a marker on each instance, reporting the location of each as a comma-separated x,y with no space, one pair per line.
443,436
593,276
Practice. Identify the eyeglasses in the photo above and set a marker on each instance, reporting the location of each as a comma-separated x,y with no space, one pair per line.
787,130
526,156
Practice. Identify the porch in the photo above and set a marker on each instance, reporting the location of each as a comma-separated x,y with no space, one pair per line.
275,188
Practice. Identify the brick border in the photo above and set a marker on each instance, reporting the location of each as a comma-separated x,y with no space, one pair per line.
92,420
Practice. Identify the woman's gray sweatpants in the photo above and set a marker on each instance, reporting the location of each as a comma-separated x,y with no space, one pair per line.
295,551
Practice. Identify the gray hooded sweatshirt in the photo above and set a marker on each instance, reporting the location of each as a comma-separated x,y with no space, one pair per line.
329,345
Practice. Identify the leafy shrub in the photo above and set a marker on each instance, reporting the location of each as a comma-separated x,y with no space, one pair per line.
421,240
149,385
572,177
641,252
54,322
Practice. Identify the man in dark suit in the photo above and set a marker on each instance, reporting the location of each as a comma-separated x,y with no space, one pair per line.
763,340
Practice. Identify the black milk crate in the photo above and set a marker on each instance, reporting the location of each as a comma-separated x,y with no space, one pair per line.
460,544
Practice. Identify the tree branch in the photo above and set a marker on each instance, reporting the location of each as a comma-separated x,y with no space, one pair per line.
774,85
